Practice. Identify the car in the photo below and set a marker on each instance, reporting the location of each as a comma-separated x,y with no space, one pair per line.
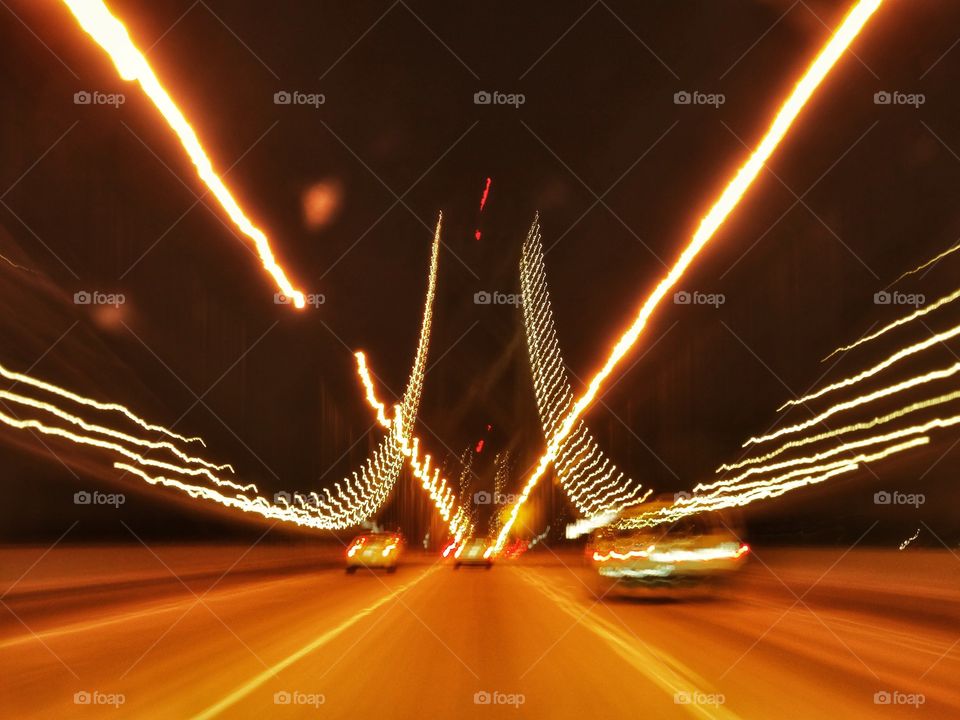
686,553
474,551
375,550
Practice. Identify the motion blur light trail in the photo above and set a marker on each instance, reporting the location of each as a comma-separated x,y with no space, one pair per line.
114,407
879,367
858,401
436,486
591,481
932,261
856,427
355,501
741,495
711,222
95,18
897,323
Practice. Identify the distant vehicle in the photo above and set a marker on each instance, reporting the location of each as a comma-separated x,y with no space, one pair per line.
686,553
474,551
375,550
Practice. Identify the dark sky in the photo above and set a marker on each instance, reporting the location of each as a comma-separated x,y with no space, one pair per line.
105,199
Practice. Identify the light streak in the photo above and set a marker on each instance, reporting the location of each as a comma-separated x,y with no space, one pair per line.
897,323
936,423
95,18
930,262
741,495
483,201
357,499
906,543
728,200
858,401
112,407
721,552
74,420
856,427
879,367
591,481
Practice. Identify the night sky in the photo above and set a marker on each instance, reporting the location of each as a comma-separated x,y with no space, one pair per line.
103,199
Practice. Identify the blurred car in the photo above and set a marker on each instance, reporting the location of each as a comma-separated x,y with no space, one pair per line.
375,550
474,551
685,553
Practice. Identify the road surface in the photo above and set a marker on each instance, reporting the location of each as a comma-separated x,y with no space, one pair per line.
196,634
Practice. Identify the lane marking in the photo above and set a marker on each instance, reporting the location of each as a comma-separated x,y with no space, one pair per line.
270,673
662,669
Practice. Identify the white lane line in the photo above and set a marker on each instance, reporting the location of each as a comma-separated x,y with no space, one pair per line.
663,670
270,673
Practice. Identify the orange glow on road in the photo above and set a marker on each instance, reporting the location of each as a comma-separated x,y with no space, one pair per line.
711,222
95,18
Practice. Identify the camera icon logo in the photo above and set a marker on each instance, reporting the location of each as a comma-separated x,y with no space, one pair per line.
682,298
881,697
482,497
82,498
482,298
882,298
282,497
682,97
882,97
82,97
282,97
82,298
282,697
682,495
882,498
682,698
81,697
281,299
482,97
481,697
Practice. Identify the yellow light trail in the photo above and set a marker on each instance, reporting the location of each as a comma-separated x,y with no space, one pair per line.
879,367
928,263
897,323
856,427
858,401
591,481
95,18
100,429
436,486
728,200
738,496
111,407
936,423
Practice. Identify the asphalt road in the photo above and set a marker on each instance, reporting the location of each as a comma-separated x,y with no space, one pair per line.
801,634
